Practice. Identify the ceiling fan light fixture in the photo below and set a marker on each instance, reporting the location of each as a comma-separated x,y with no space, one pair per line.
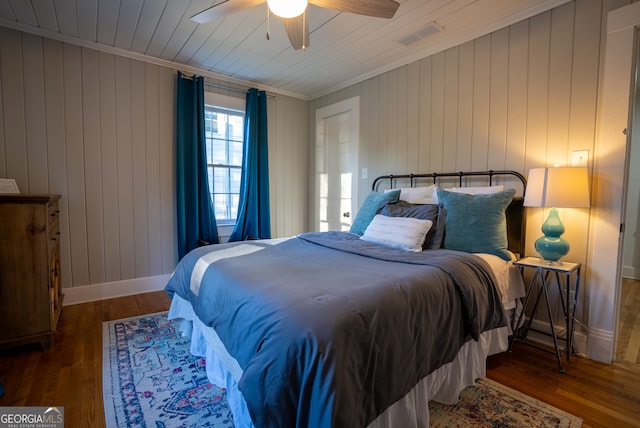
287,8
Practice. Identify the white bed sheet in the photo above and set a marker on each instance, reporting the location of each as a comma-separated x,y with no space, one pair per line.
508,278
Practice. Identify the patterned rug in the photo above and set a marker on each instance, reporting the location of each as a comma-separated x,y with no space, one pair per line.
490,404
150,379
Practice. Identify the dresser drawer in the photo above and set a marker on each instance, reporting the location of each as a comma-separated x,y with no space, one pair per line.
53,223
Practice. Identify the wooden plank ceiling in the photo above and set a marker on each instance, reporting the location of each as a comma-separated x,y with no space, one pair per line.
344,48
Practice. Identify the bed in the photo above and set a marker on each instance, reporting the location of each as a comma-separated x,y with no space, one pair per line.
365,327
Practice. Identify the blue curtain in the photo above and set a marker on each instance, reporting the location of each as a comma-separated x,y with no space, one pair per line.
196,216
254,219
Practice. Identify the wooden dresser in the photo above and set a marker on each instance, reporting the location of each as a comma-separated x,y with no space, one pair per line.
30,288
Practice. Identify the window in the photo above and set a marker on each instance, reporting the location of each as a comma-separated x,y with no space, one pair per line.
224,139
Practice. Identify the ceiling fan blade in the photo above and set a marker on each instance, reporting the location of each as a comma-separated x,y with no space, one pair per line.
298,31
376,8
223,9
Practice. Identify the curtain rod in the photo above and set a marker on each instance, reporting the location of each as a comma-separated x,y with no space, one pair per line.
233,89
224,87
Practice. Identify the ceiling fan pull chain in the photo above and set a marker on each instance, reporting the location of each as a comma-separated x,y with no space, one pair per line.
304,33
268,23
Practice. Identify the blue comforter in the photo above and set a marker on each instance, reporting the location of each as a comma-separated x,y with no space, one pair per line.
331,330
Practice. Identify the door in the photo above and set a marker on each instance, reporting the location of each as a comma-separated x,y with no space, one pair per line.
336,183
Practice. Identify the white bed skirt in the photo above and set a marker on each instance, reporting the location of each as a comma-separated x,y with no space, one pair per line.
412,411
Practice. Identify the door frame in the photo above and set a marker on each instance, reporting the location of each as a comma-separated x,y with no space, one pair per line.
604,273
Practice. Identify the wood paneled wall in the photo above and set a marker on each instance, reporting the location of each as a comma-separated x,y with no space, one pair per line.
98,129
521,97
518,98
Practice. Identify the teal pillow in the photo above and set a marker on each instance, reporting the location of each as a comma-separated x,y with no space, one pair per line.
370,207
476,223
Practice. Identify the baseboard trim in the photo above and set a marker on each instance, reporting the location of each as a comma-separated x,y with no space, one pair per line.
595,345
109,290
600,345
631,272
579,339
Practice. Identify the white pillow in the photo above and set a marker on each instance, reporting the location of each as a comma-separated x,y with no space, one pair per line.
508,278
485,190
418,195
404,233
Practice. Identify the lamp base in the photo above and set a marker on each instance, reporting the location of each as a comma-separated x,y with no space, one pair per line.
552,247
551,263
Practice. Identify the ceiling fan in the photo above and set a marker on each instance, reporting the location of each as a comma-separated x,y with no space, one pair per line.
292,12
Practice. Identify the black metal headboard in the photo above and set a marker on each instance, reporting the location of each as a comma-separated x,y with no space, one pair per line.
516,221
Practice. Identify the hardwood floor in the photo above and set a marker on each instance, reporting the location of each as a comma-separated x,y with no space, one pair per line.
602,395
70,373
628,348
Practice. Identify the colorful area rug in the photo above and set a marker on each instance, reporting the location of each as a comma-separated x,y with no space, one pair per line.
151,379
490,404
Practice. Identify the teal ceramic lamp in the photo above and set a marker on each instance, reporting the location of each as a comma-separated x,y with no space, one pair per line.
554,188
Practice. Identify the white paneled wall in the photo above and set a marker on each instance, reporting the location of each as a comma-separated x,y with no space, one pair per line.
518,98
98,129
288,165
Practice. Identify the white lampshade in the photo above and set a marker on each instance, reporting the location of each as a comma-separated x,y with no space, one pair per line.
558,187
287,8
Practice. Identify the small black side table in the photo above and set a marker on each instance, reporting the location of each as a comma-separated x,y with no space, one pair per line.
540,282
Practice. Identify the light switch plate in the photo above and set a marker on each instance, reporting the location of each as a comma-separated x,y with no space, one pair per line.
580,158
